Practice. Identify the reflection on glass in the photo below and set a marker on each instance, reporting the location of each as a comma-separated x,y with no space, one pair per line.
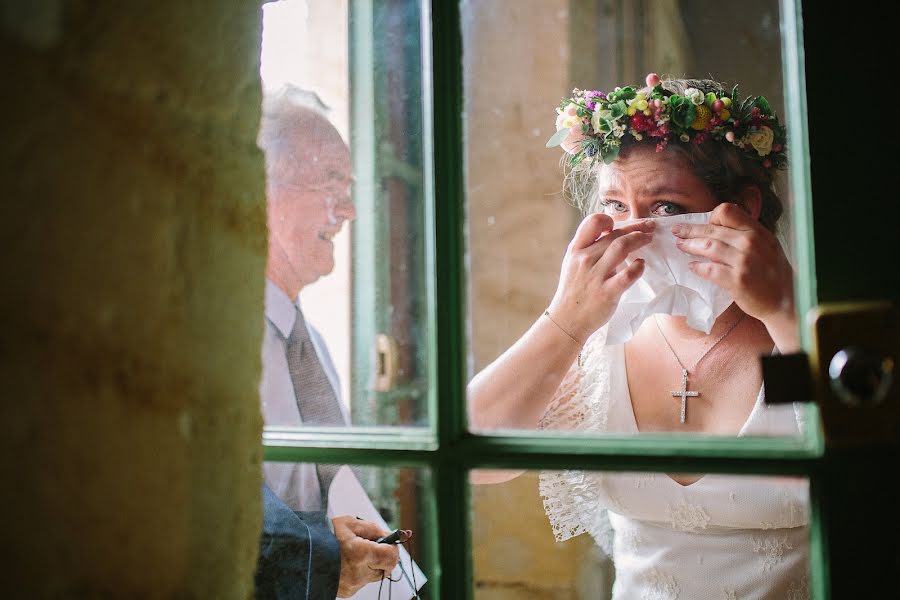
643,303
650,535
361,504
346,294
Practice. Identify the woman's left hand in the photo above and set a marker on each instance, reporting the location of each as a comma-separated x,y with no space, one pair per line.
746,260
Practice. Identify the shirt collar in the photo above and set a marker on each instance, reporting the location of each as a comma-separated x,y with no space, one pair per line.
280,310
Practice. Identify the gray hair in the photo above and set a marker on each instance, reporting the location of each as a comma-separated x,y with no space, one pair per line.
291,114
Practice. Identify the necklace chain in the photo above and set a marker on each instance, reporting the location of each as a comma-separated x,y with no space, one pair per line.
697,362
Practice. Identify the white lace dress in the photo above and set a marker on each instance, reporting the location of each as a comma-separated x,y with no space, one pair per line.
724,537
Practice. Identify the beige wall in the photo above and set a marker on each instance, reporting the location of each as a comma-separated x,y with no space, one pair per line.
515,556
516,57
134,239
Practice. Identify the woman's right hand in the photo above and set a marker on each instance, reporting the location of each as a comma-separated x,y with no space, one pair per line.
592,278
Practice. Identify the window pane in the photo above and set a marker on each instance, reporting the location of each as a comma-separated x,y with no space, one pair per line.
348,295
668,346
648,536
385,498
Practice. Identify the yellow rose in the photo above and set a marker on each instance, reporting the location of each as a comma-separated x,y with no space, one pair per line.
761,140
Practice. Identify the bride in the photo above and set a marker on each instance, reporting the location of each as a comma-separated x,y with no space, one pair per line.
687,161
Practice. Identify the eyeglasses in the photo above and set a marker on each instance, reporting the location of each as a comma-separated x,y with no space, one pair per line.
333,196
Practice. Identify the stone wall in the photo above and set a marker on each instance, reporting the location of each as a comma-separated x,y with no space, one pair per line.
133,228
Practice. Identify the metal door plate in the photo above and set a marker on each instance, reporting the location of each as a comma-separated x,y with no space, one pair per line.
875,328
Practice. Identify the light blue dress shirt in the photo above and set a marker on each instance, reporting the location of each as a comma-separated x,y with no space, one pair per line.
295,483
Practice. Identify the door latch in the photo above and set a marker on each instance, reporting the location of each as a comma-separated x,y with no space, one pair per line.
856,346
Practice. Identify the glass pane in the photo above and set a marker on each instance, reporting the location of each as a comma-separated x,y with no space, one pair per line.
656,332
362,502
648,535
348,299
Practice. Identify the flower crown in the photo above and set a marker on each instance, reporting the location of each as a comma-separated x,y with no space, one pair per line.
592,123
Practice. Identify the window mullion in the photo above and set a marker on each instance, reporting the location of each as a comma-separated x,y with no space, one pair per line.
536,453
449,219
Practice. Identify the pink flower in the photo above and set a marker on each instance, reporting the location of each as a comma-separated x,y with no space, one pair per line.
570,144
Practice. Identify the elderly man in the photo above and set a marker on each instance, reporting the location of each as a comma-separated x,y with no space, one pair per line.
308,194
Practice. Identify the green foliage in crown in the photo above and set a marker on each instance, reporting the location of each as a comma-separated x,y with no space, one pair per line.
592,124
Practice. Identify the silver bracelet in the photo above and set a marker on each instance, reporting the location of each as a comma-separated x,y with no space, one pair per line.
571,337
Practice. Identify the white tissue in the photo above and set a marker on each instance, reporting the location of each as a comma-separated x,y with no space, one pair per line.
667,286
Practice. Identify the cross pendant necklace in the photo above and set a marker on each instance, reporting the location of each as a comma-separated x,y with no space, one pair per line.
683,393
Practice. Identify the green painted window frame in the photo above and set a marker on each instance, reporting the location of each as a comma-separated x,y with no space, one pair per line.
376,161
446,448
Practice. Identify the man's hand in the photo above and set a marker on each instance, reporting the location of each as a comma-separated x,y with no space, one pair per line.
362,560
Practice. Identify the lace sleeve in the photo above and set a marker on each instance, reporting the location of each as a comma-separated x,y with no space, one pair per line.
582,399
571,497
565,412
